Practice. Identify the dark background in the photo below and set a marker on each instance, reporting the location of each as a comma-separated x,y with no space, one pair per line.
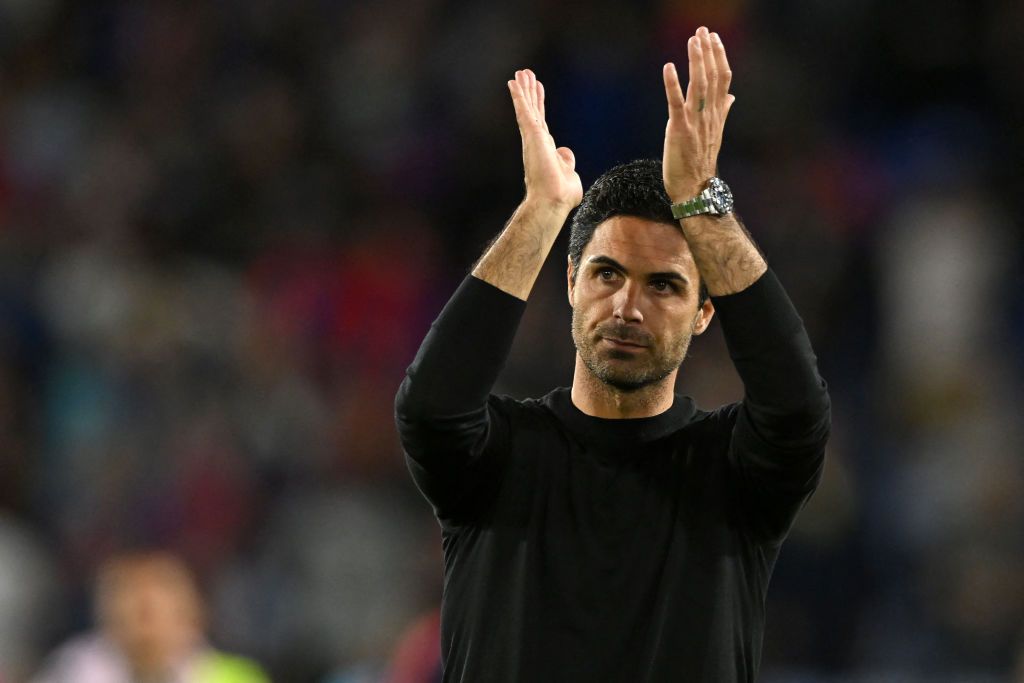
225,227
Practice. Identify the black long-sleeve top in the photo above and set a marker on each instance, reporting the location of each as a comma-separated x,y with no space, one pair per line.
582,549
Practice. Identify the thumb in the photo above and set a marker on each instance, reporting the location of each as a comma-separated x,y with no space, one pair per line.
567,157
728,103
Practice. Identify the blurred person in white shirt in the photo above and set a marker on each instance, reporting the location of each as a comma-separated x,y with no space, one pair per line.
150,630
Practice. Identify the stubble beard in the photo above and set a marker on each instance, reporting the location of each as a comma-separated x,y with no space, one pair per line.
626,371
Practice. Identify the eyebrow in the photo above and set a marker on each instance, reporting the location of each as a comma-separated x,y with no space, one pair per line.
665,275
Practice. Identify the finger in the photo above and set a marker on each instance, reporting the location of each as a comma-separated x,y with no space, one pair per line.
513,90
729,99
696,91
568,157
531,87
519,102
710,66
673,90
722,63
535,96
540,101
523,82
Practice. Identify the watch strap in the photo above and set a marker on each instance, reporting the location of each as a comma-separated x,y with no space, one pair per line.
693,207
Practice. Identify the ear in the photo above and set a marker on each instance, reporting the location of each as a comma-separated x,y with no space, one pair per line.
569,283
704,315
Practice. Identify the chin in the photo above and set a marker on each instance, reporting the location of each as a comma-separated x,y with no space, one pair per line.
626,381
625,386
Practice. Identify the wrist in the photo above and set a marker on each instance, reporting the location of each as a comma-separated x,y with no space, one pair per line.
545,210
714,199
686,190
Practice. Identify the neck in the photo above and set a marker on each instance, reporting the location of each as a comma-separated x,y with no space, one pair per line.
597,399
159,664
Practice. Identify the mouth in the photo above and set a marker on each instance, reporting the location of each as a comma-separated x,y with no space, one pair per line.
620,344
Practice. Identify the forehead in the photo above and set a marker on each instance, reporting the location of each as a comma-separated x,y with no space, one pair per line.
128,576
642,245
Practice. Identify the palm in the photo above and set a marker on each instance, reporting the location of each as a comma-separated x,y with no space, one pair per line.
693,135
550,172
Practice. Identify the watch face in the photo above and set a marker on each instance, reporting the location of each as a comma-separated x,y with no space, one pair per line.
721,195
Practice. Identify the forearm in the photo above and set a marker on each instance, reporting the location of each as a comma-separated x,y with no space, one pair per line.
769,346
725,254
777,445
447,385
514,259
463,353
441,411
466,347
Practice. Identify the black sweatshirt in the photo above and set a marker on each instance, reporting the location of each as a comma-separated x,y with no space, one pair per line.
582,549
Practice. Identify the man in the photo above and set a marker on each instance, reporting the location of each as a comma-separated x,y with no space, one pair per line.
151,631
614,531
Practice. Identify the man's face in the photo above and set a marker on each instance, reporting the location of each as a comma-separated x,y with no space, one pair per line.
149,607
635,302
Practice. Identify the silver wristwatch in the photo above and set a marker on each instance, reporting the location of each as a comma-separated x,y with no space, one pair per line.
716,199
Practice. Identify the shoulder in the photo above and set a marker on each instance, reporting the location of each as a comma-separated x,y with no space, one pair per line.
531,421
721,417
541,408
220,667
83,659
709,431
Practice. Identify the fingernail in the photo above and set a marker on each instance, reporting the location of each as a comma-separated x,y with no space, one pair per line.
714,37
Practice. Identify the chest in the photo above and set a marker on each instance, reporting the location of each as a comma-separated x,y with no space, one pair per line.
607,506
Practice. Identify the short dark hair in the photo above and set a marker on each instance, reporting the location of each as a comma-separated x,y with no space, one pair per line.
636,189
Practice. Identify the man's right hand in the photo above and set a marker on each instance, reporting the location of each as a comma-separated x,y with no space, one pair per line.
551,178
553,189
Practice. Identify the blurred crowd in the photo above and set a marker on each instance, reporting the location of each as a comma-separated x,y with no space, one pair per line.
225,228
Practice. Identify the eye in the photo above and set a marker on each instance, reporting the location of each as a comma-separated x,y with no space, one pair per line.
606,274
662,285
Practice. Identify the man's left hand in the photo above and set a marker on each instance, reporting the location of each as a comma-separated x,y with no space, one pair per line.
693,136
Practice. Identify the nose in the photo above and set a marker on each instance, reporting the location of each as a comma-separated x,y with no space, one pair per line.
626,303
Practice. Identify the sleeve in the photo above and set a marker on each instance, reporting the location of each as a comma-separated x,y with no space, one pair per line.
777,445
455,434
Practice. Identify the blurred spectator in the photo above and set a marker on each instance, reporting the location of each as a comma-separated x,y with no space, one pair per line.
150,630
27,592
417,657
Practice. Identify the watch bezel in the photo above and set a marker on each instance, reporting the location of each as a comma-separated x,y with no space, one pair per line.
720,195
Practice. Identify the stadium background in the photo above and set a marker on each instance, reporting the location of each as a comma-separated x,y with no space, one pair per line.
225,227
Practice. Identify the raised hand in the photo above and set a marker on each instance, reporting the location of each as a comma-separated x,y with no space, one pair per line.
551,178
693,135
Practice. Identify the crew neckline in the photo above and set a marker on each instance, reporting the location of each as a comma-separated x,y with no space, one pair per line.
600,430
